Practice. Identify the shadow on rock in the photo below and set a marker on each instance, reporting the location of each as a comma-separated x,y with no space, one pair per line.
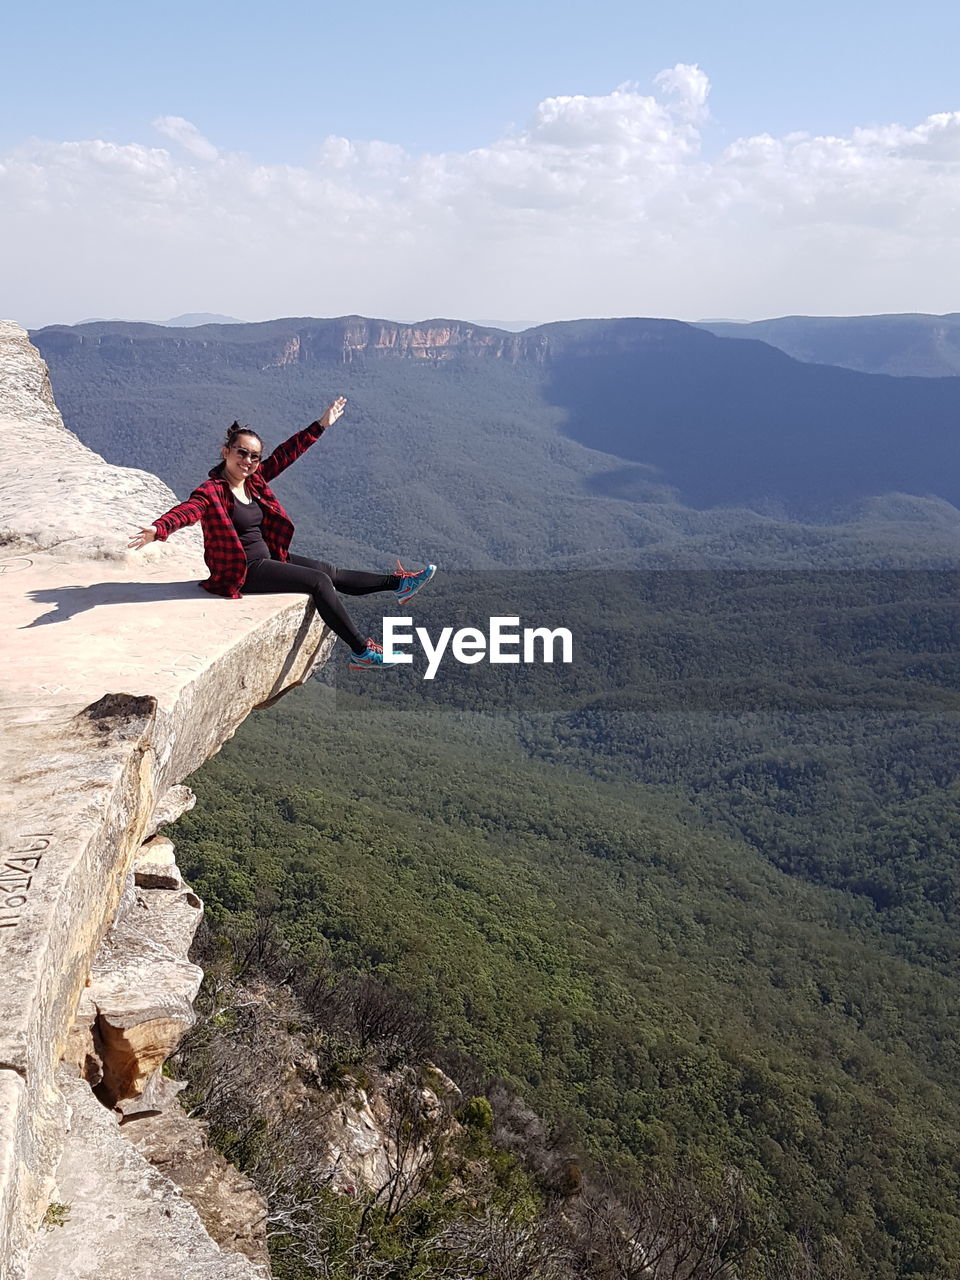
67,602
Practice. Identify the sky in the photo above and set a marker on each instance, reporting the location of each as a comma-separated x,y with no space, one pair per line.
505,162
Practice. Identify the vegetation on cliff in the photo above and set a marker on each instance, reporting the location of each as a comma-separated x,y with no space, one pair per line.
299,1068
662,986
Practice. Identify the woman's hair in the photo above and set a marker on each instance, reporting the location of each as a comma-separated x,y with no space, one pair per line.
234,432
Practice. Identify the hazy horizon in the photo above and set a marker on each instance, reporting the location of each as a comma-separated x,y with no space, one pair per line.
510,326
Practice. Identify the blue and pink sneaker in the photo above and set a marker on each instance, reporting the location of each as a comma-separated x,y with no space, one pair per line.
372,656
411,582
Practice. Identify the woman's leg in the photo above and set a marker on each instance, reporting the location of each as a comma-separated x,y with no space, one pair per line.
285,576
352,582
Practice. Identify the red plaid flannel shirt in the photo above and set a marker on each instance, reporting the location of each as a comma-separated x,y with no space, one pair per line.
212,504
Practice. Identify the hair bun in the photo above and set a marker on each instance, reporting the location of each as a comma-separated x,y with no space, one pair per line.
235,430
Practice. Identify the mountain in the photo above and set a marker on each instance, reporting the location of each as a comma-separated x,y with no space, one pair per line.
582,443
905,345
514,326
194,318
189,321
732,422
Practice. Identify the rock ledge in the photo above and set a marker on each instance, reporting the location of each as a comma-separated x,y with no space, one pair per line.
120,678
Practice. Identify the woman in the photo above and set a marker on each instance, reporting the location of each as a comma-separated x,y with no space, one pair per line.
247,533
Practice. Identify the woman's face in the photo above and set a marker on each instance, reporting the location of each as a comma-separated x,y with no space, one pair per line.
242,458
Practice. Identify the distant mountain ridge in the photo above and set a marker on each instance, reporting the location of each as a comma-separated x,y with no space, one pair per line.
189,321
193,318
917,345
304,339
346,338
576,443
902,345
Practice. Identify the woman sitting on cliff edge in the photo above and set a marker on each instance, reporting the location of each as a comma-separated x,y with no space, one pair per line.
247,535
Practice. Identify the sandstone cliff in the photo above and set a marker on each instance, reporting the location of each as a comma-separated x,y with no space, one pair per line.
345,339
120,678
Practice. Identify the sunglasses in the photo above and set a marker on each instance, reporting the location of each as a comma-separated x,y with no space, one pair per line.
247,454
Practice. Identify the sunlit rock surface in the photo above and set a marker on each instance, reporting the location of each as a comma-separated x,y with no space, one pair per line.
55,493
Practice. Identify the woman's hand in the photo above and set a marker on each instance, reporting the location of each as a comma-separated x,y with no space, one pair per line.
334,412
142,538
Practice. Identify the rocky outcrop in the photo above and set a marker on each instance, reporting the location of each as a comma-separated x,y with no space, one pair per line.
120,678
117,1217
138,1001
289,355
368,1131
58,495
281,1077
352,338
131,1016
431,340
230,1208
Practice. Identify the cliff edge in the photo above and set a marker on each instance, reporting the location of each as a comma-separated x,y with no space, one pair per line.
120,678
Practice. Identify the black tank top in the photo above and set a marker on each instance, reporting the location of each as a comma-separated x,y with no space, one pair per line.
248,522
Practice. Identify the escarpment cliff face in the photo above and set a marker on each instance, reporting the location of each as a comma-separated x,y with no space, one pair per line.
146,1195
353,338
276,343
120,677
348,339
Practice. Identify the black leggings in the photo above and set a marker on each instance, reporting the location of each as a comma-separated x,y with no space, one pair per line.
322,581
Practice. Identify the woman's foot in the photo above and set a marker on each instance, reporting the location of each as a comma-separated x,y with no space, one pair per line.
411,582
372,656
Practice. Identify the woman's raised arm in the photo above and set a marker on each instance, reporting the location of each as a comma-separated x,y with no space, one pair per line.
291,449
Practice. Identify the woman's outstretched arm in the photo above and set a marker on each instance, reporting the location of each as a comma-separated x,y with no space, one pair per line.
178,517
291,449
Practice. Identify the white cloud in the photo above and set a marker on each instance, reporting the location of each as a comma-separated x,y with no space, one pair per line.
689,86
601,204
187,135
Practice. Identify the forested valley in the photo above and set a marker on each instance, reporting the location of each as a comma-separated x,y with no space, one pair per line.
695,897
680,918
